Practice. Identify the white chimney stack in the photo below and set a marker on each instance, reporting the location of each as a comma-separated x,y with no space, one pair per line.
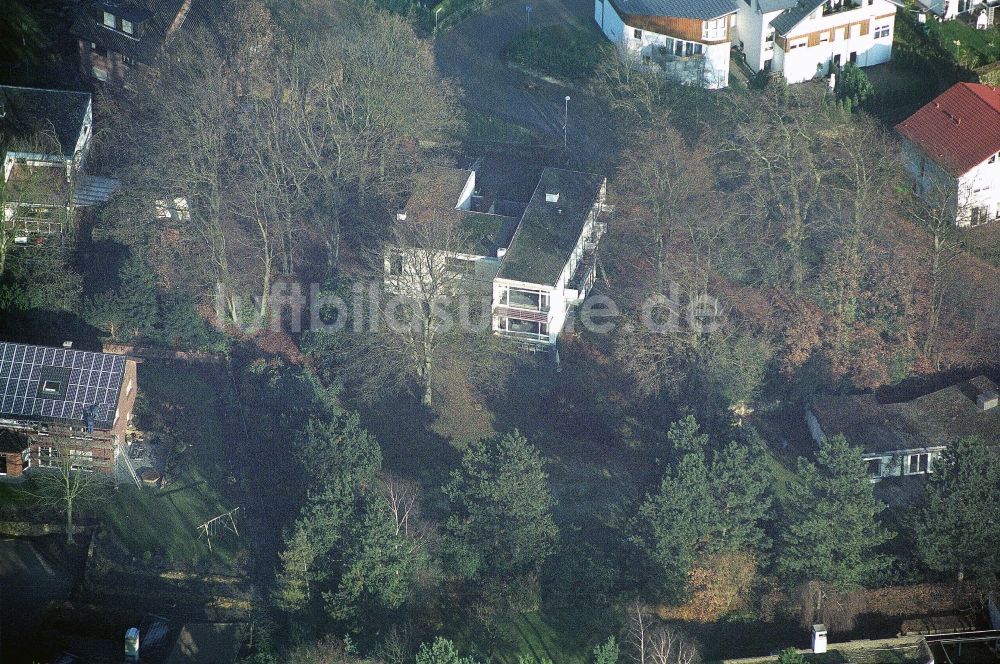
819,639
987,400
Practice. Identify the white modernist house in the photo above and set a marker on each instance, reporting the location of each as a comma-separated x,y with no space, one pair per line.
951,149
538,265
688,39
47,136
801,39
906,438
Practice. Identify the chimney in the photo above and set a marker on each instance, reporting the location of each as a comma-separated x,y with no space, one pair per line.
819,639
987,400
551,196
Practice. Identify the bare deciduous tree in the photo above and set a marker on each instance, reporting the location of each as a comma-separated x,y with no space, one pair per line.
67,478
649,640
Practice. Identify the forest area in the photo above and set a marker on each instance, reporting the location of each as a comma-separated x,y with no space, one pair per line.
437,496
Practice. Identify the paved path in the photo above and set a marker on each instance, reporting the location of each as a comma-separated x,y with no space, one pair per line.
471,53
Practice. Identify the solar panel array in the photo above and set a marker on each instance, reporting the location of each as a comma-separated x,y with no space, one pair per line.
95,379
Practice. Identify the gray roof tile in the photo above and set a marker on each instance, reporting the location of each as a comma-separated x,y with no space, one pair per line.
697,9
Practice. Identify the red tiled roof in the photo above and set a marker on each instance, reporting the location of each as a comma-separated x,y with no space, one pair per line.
959,129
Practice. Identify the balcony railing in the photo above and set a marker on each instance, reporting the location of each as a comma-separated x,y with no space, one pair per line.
830,8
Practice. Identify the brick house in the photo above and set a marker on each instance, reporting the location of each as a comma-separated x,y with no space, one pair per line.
58,400
118,37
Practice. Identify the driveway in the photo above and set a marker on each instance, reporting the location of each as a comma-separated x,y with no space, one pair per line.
472,54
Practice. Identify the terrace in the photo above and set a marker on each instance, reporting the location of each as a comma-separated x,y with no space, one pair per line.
834,7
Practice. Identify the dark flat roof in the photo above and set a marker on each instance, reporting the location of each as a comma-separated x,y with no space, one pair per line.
77,380
30,111
933,420
548,232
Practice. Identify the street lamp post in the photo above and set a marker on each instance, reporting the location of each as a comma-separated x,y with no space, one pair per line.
527,10
436,12
565,122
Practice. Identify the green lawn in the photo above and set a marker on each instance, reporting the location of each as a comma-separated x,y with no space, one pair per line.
566,52
529,638
185,405
164,522
976,47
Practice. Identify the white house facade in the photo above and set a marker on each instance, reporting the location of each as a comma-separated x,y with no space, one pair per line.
538,266
689,41
951,150
801,39
815,35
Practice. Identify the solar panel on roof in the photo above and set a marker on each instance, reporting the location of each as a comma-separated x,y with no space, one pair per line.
91,379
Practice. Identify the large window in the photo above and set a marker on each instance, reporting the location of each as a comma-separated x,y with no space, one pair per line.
881,31
109,19
518,326
917,464
715,29
524,299
874,468
395,263
980,215
127,27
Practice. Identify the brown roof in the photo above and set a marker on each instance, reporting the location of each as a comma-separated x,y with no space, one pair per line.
933,420
959,129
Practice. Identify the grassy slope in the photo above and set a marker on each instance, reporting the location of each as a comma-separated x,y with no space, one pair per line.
982,45
187,403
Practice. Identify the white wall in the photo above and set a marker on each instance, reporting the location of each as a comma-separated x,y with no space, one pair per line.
714,74
607,18
980,187
751,29
465,199
807,62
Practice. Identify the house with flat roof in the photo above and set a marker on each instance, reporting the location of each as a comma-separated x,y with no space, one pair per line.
904,439
45,139
951,150
56,401
538,265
